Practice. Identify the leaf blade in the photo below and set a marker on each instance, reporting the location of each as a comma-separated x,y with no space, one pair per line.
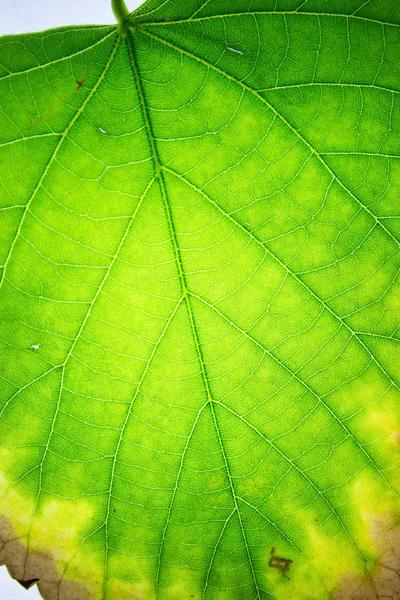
202,376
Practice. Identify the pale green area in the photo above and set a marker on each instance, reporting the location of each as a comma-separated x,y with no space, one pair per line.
200,296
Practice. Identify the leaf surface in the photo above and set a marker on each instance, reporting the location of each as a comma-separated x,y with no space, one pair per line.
200,303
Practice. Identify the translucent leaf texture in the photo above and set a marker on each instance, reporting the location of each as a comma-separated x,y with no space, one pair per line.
200,303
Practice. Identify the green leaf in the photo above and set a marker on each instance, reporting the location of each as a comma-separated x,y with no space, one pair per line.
200,303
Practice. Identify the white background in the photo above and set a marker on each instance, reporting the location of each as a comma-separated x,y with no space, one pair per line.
21,16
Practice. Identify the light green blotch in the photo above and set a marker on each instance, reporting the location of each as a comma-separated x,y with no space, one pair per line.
387,352
375,179
130,590
312,240
371,502
31,321
18,183
162,415
379,420
322,114
203,107
366,392
28,411
213,247
230,573
202,503
182,585
63,248
258,197
277,299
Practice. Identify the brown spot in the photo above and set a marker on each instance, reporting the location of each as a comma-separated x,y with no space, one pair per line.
382,582
27,584
280,563
31,122
80,83
40,568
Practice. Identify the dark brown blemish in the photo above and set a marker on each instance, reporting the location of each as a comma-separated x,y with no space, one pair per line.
80,83
280,563
28,583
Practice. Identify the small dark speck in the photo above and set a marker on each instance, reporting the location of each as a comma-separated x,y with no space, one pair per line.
80,83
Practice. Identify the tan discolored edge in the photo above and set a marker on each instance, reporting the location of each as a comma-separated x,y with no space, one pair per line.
383,582
36,568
